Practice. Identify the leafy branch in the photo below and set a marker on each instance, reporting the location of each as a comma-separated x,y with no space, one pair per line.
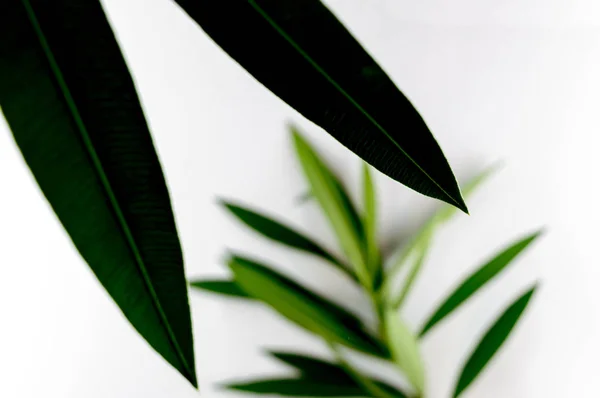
391,339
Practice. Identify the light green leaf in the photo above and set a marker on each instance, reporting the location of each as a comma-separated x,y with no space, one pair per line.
478,280
303,307
328,193
405,349
370,223
73,110
424,235
278,232
492,341
417,266
226,288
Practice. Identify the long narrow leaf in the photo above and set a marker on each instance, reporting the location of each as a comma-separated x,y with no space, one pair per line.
405,350
304,55
319,377
424,235
71,104
492,341
331,201
278,232
303,307
370,223
226,288
299,388
478,280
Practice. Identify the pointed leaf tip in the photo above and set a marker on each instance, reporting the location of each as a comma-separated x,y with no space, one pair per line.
493,340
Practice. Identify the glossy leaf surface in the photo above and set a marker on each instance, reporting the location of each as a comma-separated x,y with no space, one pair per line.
301,52
71,104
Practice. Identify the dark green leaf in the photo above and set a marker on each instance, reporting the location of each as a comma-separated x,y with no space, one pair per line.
280,233
492,341
70,102
315,369
304,55
317,376
299,388
335,207
303,307
227,288
477,280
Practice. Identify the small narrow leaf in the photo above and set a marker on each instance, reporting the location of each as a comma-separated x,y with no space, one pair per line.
226,288
315,369
370,223
319,376
303,307
278,232
440,217
327,193
417,266
478,280
299,388
405,350
492,341
301,52
73,110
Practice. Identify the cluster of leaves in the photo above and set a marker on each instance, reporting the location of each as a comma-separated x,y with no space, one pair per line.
393,340
71,104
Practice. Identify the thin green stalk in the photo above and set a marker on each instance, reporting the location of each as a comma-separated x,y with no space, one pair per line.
412,276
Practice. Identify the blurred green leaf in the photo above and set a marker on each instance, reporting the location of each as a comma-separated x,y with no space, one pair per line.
318,378
424,235
370,223
325,74
315,369
477,280
419,259
405,349
71,104
280,233
226,288
299,388
492,341
335,207
304,307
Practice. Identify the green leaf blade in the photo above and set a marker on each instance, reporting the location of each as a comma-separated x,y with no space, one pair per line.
370,223
335,207
405,350
478,280
298,388
303,307
72,107
319,377
223,287
357,103
492,341
278,232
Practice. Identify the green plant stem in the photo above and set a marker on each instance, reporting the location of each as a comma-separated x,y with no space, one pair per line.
412,276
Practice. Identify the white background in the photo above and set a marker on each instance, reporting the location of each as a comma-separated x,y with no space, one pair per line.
515,80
